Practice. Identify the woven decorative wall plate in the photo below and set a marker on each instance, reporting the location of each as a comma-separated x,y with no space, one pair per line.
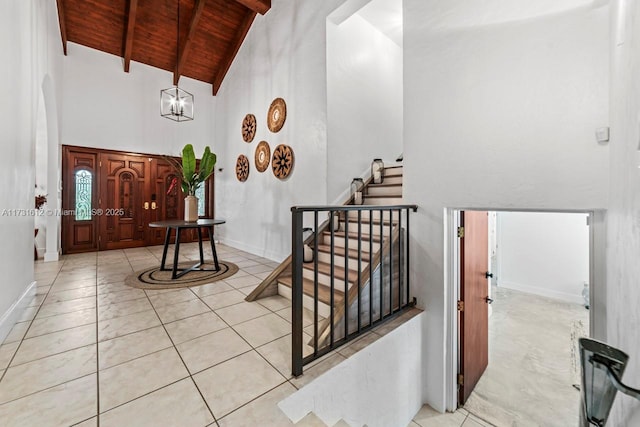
242,168
262,156
277,115
282,161
249,128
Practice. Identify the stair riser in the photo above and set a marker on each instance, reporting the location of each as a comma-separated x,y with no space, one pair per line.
384,191
392,180
384,201
324,279
397,169
353,243
364,229
307,301
353,216
339,260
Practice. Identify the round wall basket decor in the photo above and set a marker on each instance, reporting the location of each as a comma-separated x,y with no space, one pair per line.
262,156
242,168
277,115
282,161
249,127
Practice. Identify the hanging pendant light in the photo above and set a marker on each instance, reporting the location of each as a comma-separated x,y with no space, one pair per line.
175,103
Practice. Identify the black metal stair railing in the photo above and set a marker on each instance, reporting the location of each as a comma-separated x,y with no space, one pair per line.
381,290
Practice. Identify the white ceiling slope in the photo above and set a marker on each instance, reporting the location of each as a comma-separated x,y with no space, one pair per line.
386,16
444,15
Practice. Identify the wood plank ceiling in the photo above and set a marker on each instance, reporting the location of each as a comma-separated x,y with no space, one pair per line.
146,31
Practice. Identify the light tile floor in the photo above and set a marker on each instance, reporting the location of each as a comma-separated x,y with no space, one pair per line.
91,351
533,362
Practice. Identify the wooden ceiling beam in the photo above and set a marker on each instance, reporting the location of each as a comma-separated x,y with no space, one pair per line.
234,47
258,6
63,27
183,53
128,37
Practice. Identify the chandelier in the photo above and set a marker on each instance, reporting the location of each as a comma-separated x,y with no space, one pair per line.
175,103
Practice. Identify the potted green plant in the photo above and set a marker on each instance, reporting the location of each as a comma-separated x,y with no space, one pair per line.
192,176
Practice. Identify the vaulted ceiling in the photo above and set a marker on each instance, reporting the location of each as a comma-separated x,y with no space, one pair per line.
146,31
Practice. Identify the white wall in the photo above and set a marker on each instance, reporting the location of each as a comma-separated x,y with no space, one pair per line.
623,245
544,254
284,55
104,107
497,116
24,35
364,95
101,106
379,386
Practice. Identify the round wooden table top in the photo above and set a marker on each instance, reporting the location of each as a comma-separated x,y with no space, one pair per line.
174,223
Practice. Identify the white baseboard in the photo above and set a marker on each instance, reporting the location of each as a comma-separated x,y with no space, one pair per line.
277,257
14,313
51,256
562,296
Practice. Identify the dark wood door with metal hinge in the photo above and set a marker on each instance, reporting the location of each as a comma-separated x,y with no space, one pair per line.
474,299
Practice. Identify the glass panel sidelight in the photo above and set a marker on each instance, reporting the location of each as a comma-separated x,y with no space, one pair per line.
84,180
201,200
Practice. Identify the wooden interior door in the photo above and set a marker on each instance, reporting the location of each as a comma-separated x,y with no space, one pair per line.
473,310
124,200
80,200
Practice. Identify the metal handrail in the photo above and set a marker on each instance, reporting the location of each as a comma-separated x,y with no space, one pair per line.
341,208
395,241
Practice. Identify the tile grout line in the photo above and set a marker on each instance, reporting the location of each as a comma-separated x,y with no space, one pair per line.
252,349
49,388
178,353
197,297
254,399
4,373
97,350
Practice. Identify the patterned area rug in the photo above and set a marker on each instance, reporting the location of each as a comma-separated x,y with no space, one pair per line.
153,278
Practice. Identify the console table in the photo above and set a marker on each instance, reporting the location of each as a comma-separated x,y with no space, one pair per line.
180,225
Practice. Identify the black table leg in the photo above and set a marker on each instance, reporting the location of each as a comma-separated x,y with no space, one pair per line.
175,255
200,245
213,249
167,237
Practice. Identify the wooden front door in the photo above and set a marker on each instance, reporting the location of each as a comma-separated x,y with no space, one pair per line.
79,201
124,200
109,198
473,309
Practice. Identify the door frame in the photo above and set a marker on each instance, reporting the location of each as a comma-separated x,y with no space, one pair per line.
597,284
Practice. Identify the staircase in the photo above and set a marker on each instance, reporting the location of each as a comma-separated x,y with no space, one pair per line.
349,268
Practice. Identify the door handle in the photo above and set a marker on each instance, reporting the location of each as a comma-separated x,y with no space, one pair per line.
146,205
487,275
488,300
154,206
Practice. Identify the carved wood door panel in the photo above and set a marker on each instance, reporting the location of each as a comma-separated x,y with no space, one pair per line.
124,200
